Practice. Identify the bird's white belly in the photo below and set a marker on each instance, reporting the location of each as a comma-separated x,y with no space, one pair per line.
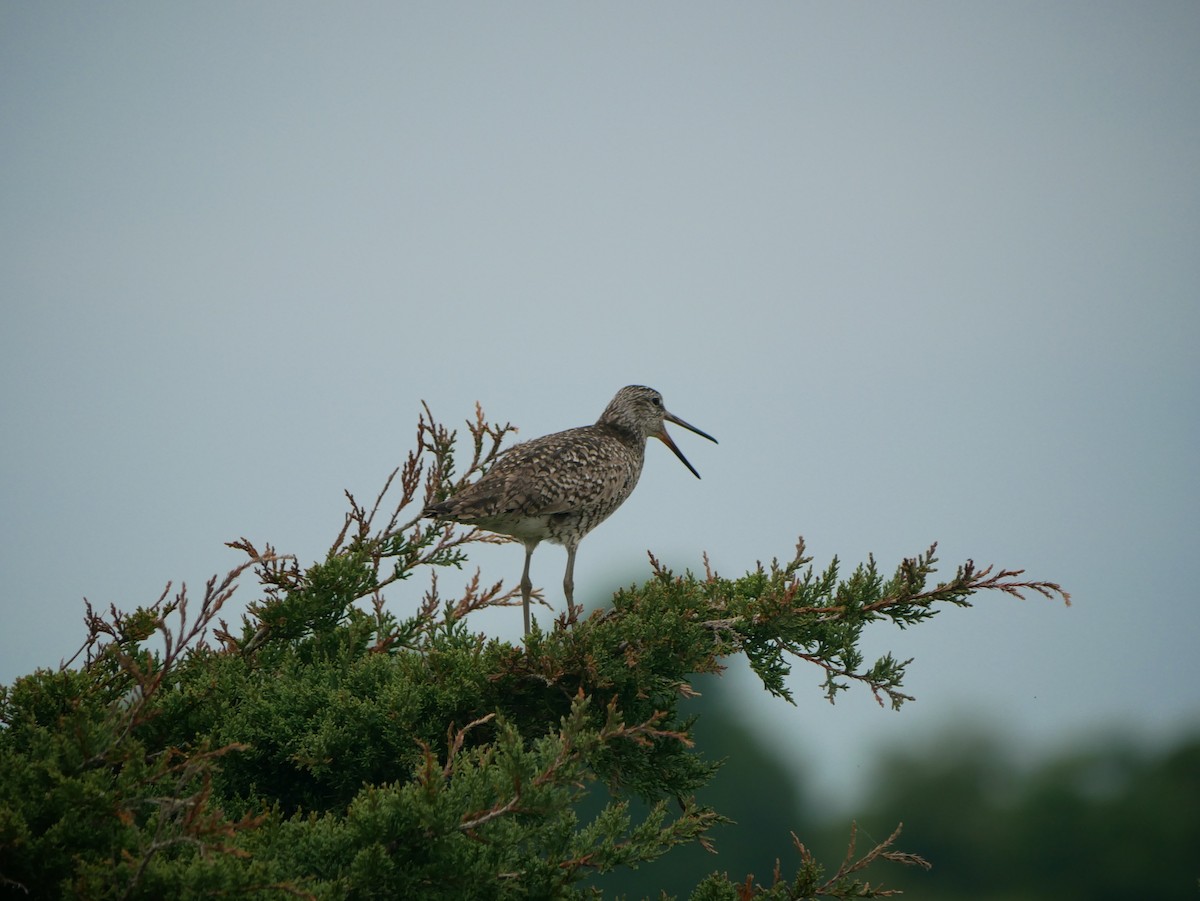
524,528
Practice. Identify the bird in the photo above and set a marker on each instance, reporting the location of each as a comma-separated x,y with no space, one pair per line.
559,487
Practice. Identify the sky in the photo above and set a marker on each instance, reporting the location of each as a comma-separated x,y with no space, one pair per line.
928,271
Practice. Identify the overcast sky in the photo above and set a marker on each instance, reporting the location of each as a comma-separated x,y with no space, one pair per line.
929,271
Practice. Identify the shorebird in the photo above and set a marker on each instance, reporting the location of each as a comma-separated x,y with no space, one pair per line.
560,487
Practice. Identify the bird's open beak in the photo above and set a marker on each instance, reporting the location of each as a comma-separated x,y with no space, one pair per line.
666,439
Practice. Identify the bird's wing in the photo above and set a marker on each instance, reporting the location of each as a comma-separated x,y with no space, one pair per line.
555,474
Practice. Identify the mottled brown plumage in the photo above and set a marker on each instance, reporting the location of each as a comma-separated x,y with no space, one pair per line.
560,487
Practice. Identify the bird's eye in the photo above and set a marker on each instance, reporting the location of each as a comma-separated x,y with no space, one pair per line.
657,401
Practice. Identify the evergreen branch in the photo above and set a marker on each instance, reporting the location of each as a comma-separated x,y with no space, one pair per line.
840,885
335,719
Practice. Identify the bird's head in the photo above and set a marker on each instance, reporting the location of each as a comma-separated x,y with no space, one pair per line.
640,411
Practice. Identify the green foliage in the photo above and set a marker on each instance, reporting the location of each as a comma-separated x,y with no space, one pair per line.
335,748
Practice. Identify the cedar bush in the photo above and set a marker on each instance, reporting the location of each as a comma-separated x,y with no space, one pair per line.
341,744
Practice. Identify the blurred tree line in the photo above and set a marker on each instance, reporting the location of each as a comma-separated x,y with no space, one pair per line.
1103,820
1107,818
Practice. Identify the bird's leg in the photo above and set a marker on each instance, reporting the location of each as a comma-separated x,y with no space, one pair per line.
526,585
569,583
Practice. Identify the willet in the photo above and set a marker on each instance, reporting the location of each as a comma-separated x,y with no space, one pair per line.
560,487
